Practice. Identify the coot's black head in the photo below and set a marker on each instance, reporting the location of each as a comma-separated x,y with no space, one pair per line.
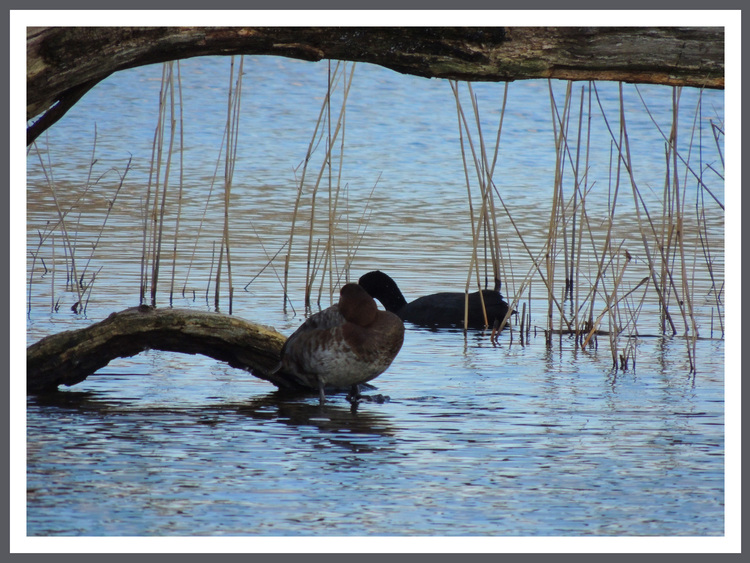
382,287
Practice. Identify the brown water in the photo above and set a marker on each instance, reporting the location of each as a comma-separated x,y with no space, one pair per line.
478,438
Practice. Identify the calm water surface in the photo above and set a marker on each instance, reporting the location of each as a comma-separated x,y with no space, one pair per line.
477,438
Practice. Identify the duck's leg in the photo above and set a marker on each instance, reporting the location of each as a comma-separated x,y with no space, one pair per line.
354,395
495,335
322,391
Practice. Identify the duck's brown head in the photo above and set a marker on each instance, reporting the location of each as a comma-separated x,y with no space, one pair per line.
356,305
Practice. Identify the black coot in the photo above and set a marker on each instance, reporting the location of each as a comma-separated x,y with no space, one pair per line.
439,310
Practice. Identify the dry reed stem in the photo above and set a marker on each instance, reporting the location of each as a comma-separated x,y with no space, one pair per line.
487,216
624,159
150,236
67,245
332,200
211,269
481,171
557,196
558,209
584,215
179,191
158,218
88,290
205,210
684,301
677,229
110,204
488,220
718,132
268,263
564,213
491,224
146,232
609,306
53,305
310,150
535,260
688,168
575,257
462,119
311,269
234,98
331,262
352,246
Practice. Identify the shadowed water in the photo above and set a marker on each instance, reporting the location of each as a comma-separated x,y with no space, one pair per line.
477,438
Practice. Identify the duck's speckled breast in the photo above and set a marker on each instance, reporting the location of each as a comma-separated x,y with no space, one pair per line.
340,353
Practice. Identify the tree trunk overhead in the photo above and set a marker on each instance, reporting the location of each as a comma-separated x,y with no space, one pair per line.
63,63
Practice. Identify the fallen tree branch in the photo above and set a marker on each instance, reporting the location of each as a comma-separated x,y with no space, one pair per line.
70,357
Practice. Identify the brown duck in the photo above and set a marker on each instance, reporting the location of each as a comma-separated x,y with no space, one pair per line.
344,345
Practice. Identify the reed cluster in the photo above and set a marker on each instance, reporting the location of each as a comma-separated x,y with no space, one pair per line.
162,212
323,260
611,258
598,270
76,258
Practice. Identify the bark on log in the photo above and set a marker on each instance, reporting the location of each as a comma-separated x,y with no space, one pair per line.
64,63
69,357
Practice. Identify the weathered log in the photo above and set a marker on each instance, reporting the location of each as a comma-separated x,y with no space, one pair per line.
65,62
69,357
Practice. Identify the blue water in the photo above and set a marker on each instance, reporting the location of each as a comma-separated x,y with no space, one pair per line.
478,439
